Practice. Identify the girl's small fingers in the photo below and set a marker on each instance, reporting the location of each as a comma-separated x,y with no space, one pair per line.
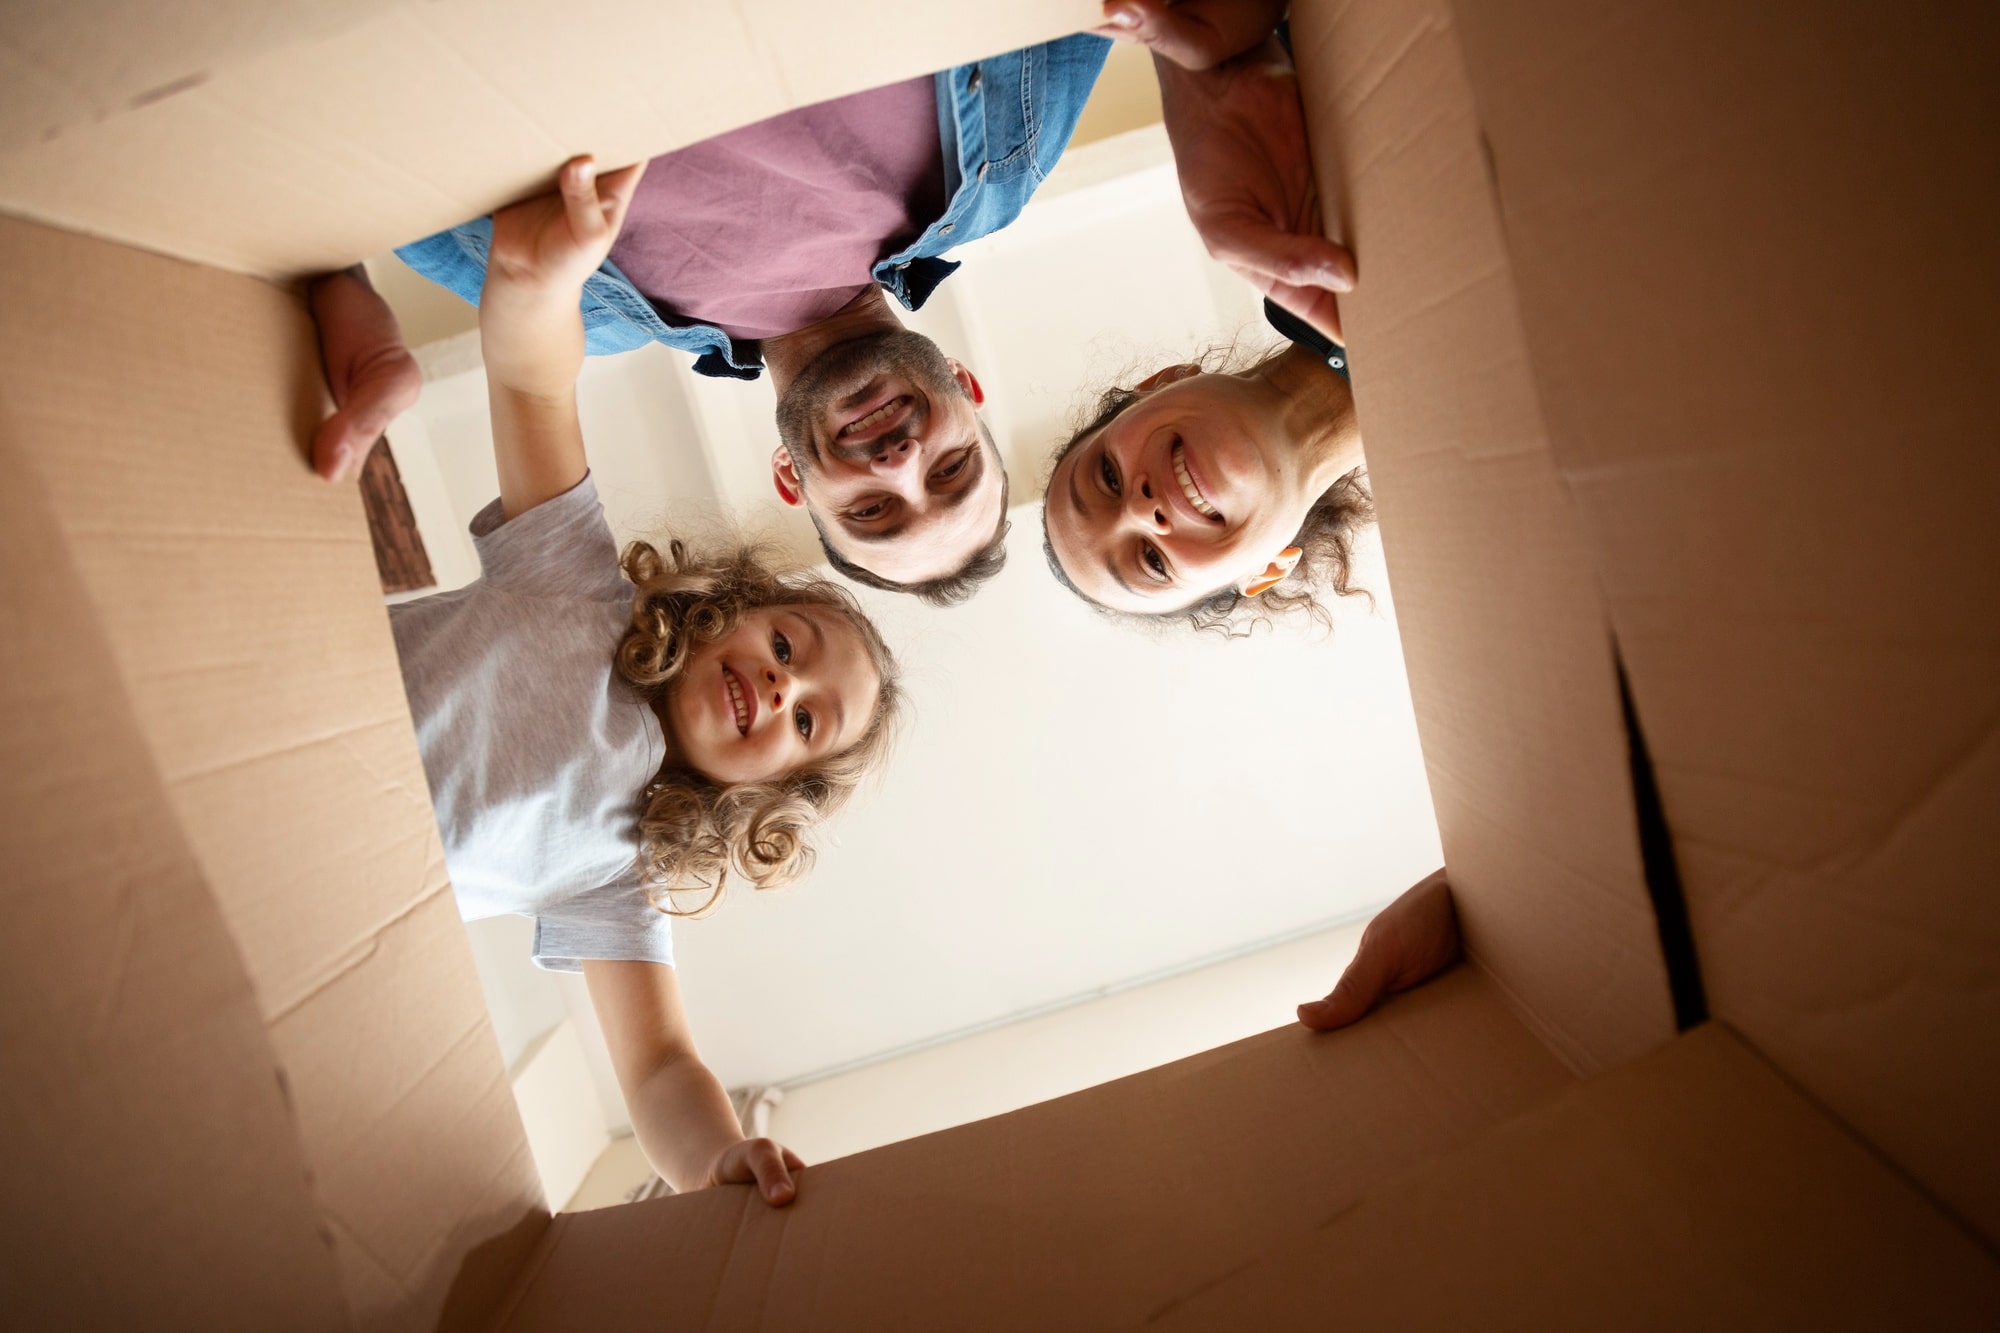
793,1160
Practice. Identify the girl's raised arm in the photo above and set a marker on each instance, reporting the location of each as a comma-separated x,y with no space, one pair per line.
679,1110
531,333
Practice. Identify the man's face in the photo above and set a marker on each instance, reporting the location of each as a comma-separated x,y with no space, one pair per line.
882,440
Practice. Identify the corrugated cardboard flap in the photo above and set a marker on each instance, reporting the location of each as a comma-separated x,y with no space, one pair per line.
160,408
1755,255
1694,1189
1076,1213
142,1105
1504,627
299,142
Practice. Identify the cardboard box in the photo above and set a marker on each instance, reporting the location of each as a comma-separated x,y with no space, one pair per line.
1672,358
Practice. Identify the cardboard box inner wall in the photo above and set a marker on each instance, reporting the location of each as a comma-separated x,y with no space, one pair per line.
1617,410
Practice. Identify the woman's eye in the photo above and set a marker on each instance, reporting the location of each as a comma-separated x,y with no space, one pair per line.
1109,473
804,722
781,648
1154,562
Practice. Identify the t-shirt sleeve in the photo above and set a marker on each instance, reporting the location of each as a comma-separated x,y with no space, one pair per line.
563,547
613,923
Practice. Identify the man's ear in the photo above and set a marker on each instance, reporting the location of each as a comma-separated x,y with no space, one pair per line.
1274,573
967,381
1167,375
785,477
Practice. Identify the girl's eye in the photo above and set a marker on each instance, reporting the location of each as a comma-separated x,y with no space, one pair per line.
804,722
1109,473
1151,555
781,647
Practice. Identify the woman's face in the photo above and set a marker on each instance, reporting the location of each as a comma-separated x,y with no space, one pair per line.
1193,488
787,687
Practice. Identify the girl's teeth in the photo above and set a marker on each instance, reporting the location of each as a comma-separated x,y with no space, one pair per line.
735,698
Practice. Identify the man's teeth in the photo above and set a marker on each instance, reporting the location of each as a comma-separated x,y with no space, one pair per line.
736,700
881,413
1195,497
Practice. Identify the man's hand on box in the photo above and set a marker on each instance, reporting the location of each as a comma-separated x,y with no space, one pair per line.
1194,34
1409,942
553,242
373,377
767,1164
1239,137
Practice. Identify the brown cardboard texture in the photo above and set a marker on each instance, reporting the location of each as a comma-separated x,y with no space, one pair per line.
1732,1203
1790,501
156,409
247,1076
1504,632
293,139
141,1088
1109,1198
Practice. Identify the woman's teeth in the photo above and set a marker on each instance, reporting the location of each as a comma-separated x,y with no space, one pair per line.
736,701
1188,488
881,413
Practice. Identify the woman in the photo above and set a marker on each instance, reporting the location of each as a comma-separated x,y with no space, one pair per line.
1215,495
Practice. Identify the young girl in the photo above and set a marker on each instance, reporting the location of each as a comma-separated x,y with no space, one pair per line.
593,743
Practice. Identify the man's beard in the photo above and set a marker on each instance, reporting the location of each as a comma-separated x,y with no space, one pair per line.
845,369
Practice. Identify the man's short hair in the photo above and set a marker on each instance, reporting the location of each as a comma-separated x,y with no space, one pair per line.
946,589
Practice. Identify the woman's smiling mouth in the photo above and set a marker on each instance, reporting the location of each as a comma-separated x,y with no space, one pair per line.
741,700
1185,477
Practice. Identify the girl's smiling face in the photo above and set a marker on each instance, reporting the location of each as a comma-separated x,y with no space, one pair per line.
787,687
1189,490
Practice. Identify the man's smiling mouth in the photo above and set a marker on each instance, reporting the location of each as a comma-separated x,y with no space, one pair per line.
876,422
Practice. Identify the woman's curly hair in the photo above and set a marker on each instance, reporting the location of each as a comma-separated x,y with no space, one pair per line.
694,832
1325,539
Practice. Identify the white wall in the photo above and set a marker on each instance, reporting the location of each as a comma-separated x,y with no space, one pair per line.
1047,1055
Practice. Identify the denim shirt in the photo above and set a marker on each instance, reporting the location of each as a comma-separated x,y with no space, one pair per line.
1003,123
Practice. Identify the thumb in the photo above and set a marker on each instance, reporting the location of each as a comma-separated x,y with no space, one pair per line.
772,1172
578,183
1352,996
1193,36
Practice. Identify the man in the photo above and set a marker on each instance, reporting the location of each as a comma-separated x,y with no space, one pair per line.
775,246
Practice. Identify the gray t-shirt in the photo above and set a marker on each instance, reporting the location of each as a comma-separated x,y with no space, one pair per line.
536,752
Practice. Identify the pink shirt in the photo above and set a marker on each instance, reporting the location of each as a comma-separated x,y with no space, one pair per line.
775,226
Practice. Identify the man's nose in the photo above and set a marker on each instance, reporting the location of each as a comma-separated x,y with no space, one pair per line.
894,456
778,686
1147,510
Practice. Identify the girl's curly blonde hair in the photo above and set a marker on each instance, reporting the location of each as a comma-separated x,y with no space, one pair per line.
695,832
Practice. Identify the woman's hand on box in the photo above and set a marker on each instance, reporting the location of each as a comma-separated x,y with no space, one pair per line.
766,1163
553,242
1409,942
1239,138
